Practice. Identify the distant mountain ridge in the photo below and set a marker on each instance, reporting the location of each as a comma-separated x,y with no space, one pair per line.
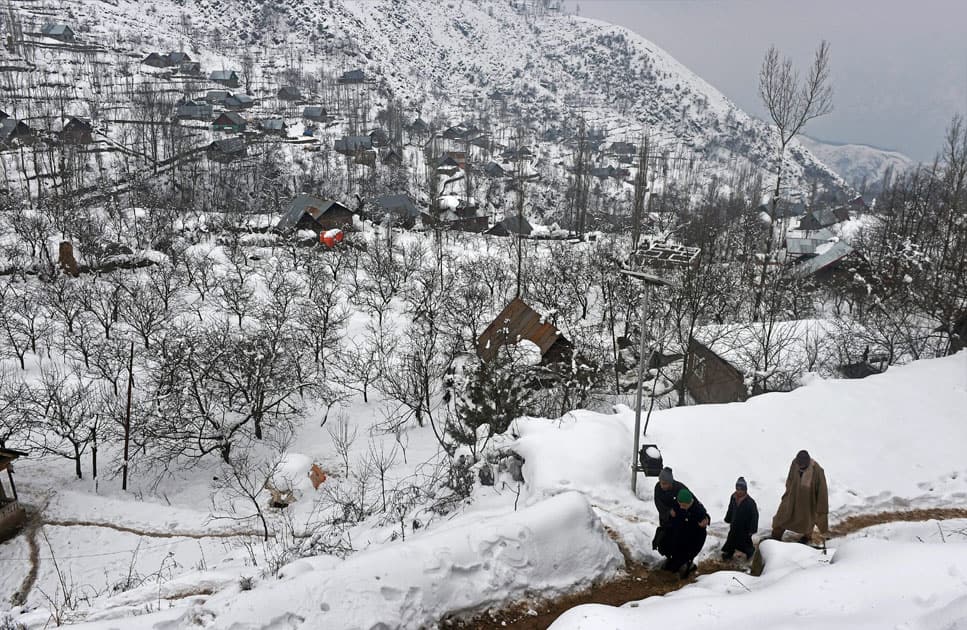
862,166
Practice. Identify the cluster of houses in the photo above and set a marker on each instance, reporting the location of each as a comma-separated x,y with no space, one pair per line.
74,130
813,244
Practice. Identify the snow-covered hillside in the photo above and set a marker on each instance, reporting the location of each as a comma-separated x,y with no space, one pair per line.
490,62
860,165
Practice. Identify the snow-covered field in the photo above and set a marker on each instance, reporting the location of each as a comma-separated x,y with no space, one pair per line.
889,442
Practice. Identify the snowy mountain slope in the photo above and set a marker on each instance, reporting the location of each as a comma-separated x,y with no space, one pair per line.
858,164
444,60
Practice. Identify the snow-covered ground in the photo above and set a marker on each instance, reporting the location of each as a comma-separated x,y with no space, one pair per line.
890,442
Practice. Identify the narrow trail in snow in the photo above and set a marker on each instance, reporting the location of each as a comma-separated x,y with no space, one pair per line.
151,534
33,525
639,582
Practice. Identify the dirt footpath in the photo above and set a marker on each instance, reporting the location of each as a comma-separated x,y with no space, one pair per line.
640,582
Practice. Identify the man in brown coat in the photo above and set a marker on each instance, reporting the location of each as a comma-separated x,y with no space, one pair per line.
805,504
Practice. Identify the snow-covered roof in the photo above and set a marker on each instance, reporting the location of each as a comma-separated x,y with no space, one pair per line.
824,258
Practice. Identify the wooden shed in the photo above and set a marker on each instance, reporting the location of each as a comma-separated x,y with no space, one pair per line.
517,322
12,514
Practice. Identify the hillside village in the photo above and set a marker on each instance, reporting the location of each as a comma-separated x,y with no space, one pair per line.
293,295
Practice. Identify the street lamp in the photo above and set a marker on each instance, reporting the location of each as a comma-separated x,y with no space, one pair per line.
651,261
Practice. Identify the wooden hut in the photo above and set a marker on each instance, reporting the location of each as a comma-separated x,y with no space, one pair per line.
518,322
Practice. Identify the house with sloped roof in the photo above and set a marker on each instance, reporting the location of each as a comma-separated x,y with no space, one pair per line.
818,218
192,68
238,102
289,93
230,122
492,169
800,243
351,145
194,110
155,60
274,126
315,113
398,210
227,150
12,513
731,362
519,322
76,131
511,225
828,256
228,78
177,58
308,212
352,76
60,32
391,156
14,131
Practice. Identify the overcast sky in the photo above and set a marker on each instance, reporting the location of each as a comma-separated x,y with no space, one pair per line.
899,67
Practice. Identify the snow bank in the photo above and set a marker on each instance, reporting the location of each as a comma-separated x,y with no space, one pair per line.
551,548
868,584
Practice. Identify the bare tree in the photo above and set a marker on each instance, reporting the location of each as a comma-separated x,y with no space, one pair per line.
791,104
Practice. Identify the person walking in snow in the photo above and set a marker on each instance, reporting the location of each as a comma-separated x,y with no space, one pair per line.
666,493
686,535
743,519
805,503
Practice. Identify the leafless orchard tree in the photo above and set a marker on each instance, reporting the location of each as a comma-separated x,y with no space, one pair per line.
791,104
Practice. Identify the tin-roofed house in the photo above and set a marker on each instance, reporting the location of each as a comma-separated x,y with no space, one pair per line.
352,76
731,362
230,122
77,131
275,126
308,212
398,210
228,78
315,113
236,102
227,150
14,131
289,93
61,32
193,110
519,322
12,514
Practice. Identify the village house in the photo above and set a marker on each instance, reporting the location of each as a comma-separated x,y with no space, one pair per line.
238,102
217,97
447,166
398,210
827,257
177,58
227,78
351,145
315,113
227,150
308,212
519,322
61,32
155,60
12,514
352,76
77,131
805,243
275,126
230,122
511,225
492,169
732,362
419,127
191,68
194,110
825,217
289,93
14,131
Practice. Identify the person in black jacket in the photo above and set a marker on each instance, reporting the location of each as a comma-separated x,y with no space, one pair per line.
666,493
743,519
687,533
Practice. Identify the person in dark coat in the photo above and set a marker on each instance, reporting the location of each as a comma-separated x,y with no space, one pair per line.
686,534
743,519
666,493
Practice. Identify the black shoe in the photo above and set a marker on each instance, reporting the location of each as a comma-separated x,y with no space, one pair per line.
687,568
727,555
806,540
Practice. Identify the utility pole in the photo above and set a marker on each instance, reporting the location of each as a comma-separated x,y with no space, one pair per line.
127,420
657,257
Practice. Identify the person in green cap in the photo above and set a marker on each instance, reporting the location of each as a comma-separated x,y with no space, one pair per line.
687,532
